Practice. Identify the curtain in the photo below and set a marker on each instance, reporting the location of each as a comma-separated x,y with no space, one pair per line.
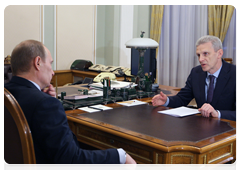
219,17
229,43
156,22
156,25
184,24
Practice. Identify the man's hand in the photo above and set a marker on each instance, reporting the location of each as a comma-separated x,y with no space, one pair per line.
207,110
50,90
129,160
159,99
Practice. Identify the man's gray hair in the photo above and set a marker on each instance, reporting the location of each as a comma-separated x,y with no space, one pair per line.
23,55
216,42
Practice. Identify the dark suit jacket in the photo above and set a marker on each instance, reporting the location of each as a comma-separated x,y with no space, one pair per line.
224,97
53,140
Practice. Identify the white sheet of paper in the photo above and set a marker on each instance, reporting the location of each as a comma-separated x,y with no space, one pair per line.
91,110
131,103
180,111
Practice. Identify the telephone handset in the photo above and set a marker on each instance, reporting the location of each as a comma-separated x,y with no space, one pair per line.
97,67
104,75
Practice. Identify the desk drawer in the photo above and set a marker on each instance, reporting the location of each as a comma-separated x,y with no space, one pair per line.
102,140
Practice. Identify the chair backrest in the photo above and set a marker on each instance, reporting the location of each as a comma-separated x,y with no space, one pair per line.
229,60
7,73
18,143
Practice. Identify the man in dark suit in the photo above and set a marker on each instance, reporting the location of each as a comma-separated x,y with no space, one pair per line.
53,140
221,100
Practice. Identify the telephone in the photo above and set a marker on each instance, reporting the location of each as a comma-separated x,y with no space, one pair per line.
97,67
81,65
104,75
112,68
127,71
121,71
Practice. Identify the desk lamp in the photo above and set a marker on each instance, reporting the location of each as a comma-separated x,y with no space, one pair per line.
141,44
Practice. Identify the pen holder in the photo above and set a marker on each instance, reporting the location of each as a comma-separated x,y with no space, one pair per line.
106,82
106,92
106,88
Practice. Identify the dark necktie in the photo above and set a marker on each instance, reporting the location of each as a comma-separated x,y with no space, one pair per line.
210,89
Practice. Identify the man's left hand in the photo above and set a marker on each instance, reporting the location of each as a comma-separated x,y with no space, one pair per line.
207,110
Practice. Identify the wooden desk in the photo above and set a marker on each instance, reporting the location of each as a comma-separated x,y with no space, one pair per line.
63,77
145,147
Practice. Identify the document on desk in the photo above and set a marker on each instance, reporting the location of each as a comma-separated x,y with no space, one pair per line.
114,84
180,111
95,108
131,103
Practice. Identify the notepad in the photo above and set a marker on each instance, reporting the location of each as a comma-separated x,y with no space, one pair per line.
180,111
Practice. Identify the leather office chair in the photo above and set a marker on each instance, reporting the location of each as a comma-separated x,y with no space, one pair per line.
18,143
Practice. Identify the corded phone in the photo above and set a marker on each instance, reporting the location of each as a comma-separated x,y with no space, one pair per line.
127,71
81,65
111,68
101,67
97,67
104,75
117,70
120,71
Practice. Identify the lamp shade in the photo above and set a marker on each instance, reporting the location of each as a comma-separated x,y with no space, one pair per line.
141,43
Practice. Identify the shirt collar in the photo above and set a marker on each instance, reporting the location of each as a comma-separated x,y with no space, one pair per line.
35,85
216,73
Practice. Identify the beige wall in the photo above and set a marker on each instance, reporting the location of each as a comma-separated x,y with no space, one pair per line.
74,30
20,23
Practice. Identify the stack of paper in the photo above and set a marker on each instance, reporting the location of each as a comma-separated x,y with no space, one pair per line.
180,111
114,84
91,93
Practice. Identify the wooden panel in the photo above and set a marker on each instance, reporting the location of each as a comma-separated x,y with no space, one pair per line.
159,157
83,74
220,153
182,158
101,140
62,77
202,163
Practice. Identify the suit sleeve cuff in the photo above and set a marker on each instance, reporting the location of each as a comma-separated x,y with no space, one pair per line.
219,113
122,156
167,102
